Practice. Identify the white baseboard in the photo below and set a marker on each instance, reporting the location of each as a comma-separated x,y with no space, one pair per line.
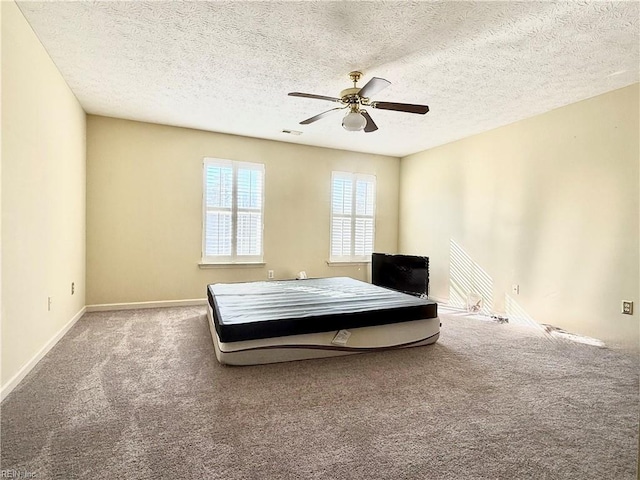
105,307
24,371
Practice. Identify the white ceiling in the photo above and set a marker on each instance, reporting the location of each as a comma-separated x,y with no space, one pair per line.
228,66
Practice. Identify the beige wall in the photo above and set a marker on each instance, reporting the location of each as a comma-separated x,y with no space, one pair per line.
144,209
549,203
43,196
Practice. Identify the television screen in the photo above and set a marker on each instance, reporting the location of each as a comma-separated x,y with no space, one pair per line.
405,273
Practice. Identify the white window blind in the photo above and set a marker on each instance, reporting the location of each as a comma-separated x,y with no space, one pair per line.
353,201
233,211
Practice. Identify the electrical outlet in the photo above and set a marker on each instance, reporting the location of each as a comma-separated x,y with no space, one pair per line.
270,274
73,288
49,302
515,289
627,307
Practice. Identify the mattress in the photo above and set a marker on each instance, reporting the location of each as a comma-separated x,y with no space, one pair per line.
261,310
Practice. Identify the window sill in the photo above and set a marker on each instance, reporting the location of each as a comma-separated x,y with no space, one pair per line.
232,265
347,264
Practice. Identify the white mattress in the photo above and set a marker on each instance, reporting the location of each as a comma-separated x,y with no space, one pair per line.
254,310
267,322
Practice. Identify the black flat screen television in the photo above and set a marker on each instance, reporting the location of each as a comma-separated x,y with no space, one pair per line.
404,273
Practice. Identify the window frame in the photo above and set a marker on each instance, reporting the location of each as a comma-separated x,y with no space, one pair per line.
354,178
234,258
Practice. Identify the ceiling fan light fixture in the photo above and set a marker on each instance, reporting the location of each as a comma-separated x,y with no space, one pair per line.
354,121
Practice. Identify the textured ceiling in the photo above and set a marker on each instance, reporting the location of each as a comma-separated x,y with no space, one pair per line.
228,66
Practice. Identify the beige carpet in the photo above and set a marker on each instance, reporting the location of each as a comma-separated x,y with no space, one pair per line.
139,394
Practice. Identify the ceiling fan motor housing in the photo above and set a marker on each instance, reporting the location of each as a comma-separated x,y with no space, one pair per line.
348,93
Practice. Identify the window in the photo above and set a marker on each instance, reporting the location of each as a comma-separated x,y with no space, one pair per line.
233,207
353,201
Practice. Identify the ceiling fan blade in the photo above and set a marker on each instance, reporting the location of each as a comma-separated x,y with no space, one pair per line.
311,95
401,107
373,86
371,125
319,116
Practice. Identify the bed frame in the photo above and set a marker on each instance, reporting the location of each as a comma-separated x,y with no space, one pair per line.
279,321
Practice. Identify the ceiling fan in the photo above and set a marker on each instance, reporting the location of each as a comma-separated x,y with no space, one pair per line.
355,98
